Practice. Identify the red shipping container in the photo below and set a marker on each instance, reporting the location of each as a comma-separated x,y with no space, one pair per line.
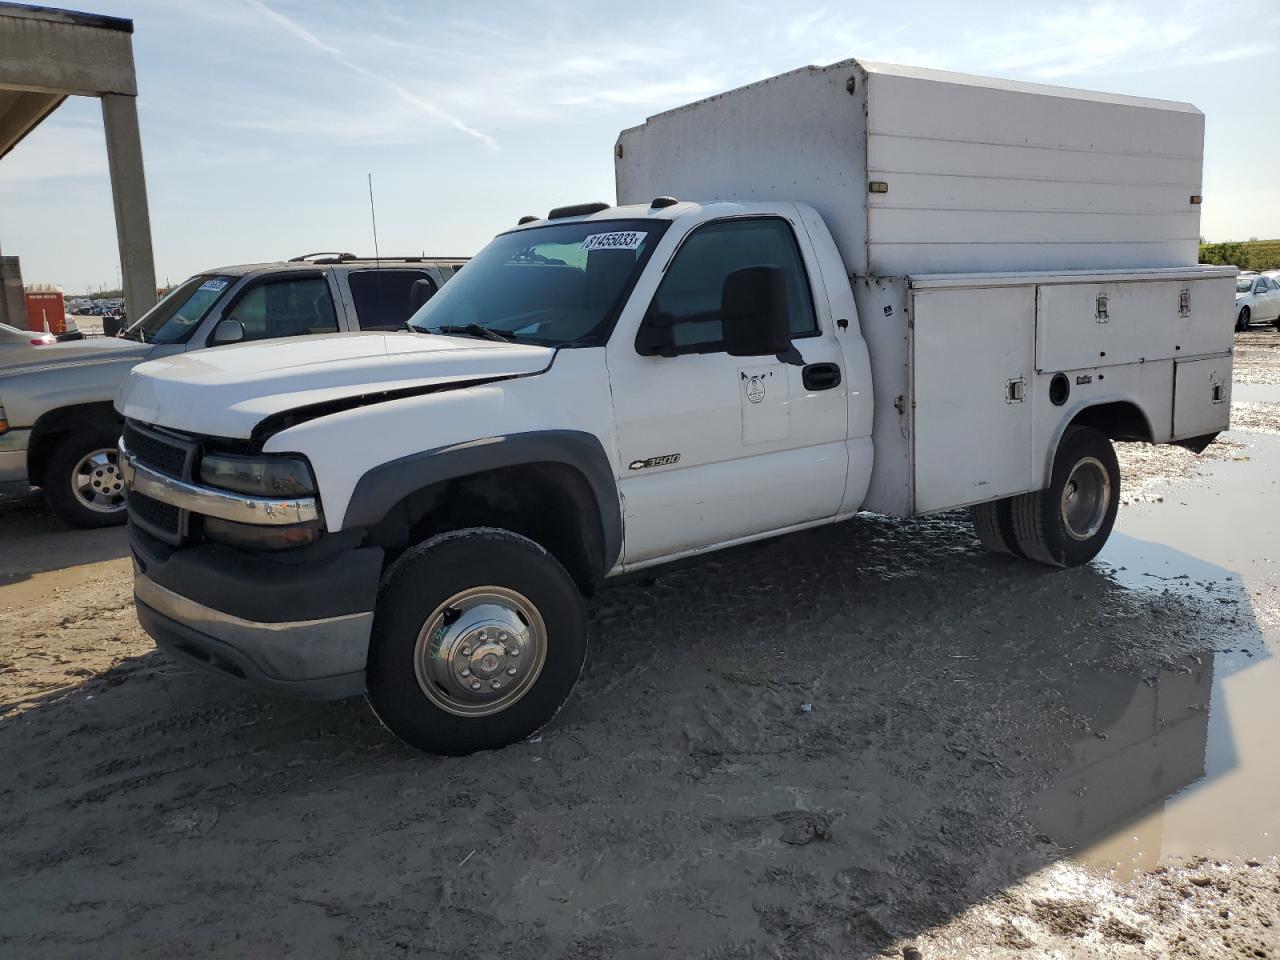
45,306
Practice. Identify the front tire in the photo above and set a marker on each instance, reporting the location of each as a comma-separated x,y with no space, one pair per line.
1242,320
1068,523
82,482
478,639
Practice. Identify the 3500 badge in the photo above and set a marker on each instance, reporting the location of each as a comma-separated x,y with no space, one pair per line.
663,461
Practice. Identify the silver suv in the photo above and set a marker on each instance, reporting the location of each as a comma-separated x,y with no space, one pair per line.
58,429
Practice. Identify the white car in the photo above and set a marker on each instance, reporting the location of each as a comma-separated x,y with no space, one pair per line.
15,342
1257,300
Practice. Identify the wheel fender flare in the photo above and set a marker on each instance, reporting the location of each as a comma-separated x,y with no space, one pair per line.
382,487
62,420
1072,413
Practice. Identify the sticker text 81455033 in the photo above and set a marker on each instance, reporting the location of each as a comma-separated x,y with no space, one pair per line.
621,240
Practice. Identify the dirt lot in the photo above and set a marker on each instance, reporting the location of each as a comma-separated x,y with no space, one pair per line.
833,744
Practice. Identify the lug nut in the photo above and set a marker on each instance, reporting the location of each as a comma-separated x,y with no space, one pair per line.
496,684
475,684
466,651
502,636
513,651
466,671
511,671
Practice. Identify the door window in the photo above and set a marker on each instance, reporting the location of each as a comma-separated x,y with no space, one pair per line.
689,297
289,307
383,298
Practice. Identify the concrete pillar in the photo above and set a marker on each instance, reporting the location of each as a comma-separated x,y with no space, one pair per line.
129,193
13,301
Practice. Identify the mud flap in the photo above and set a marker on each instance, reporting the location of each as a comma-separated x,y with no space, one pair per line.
1197,444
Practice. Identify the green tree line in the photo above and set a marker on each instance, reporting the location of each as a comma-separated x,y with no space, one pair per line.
1245,254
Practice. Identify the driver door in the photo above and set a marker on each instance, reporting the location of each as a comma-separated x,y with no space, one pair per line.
715,448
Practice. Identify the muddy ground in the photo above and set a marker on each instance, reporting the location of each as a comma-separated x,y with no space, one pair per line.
832,744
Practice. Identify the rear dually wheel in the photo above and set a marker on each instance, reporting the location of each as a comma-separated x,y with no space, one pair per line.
1067,524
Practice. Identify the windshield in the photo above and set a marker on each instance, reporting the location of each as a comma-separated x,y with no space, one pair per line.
1244,284
176,317
555,285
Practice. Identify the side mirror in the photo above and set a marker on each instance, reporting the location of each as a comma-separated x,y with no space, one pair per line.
655,338
228,331
753,312
419,294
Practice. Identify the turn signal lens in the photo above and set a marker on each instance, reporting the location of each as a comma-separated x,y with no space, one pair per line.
247,536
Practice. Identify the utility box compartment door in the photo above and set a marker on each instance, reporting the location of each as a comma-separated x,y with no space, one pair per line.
973,353
1201,396
1081,325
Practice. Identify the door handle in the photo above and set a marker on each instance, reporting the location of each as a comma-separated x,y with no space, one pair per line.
820,376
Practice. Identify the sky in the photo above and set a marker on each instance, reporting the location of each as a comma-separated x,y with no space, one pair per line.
261,119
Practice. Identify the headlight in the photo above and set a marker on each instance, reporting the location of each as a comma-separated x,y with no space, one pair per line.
263,476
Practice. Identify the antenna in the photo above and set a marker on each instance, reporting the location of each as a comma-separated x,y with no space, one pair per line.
373,215
377,258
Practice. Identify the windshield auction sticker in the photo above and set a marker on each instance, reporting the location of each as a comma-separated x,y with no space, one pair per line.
213,285
623,240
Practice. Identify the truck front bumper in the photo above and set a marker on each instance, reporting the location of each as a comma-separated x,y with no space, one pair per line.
296,629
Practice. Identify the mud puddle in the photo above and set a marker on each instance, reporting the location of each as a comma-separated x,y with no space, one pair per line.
1255,392
1185,761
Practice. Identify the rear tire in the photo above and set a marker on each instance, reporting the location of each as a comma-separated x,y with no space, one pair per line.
1067,524
994,526
478,638
82,482
1242,320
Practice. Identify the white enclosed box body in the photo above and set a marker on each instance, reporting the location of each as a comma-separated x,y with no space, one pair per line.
980,175
997,234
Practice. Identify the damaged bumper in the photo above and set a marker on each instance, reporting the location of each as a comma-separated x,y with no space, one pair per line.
299,629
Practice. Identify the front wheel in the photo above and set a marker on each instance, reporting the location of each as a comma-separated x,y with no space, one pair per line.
478,639
1067,524
82,482
1242,320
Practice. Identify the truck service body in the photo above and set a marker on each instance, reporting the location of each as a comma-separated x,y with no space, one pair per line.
848,288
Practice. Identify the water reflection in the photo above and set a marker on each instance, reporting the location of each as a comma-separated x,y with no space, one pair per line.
1147,743
1184,761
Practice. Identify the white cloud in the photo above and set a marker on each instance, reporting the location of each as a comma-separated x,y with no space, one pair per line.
428,108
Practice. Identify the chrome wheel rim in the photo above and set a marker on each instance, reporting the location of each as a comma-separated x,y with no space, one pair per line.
480,651
1086,497
96,482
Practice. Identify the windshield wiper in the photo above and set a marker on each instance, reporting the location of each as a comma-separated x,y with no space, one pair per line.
475,330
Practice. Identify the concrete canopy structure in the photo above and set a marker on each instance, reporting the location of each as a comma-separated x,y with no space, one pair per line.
47,55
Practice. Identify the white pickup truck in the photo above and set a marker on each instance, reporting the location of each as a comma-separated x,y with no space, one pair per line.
879,289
